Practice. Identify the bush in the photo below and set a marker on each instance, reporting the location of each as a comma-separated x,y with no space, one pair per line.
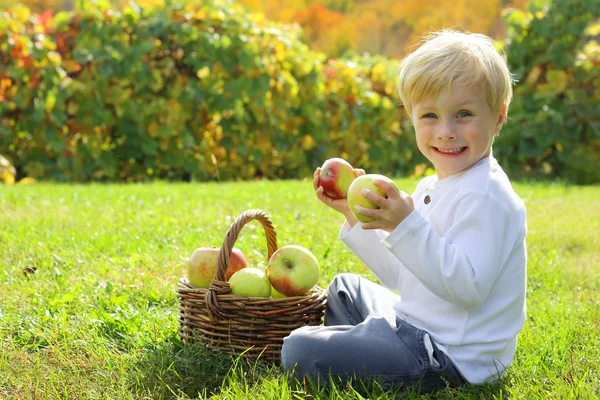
554,127
200,90
204,90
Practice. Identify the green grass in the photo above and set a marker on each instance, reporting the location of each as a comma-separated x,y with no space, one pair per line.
88,273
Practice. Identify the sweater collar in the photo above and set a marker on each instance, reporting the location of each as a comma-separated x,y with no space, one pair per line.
444,184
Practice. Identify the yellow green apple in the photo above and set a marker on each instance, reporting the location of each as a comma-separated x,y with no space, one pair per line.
355,196
250,282
202,265
293,270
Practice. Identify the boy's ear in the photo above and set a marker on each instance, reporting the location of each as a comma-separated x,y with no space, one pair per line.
501,119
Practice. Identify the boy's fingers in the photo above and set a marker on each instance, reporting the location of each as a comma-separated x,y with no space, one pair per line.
373,197
316,178
321,195
358,172
389,190
367,212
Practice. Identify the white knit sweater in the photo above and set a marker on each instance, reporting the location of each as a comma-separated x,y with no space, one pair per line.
459,264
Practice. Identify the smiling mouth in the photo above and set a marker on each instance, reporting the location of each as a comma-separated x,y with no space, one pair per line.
451,152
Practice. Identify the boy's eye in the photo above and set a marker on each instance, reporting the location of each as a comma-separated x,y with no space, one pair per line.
463,114
429,115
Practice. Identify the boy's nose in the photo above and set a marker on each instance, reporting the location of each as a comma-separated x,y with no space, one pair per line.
447,132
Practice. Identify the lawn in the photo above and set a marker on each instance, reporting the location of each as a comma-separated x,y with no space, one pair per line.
88,304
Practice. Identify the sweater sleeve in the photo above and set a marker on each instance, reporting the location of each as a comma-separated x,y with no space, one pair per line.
461,266
367,246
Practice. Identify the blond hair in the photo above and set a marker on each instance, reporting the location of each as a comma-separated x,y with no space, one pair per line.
449,58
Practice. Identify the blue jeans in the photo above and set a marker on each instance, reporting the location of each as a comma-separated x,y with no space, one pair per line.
362,338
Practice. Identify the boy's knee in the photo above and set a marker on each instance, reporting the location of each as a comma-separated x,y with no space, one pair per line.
343,280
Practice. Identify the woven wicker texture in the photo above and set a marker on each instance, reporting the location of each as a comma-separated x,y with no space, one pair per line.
249,325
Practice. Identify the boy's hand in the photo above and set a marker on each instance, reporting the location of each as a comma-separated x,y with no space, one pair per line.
392,211
339,205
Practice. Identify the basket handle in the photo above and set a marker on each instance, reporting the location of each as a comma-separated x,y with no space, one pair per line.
219,285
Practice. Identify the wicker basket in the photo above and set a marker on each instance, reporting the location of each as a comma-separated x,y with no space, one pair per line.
252,326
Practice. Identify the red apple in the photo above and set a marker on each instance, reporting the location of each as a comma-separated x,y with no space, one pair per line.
335,178
202,265
293,270
355,196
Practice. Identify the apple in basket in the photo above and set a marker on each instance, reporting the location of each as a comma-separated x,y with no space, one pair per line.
293,270
355,196
202,265
250,282
335,177
275,294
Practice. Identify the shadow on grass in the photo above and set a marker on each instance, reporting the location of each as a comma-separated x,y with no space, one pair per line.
171,370
374,389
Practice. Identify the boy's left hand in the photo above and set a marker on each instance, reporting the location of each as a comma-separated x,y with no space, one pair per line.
391,212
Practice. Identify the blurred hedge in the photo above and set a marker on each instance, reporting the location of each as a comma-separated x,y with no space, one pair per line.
554,129
203,90
195,91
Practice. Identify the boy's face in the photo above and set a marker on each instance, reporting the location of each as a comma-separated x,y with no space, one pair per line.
455,129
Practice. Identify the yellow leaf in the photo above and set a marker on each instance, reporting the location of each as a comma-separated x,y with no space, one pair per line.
72,108
54,57
6,177
218,15
593,29
308,143
547,167
559,146
557,80
158,81
21,13
280,51
378,70
389,88
50,101
153,130
533,75
387,103
7,171
26,181
200,14
203,72
419,171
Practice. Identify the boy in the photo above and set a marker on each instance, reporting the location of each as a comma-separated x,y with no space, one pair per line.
454,250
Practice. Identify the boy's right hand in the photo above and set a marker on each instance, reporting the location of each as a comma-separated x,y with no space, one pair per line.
339,205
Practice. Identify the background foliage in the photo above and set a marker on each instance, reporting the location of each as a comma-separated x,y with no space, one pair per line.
385,27
199,90
555,127
206,90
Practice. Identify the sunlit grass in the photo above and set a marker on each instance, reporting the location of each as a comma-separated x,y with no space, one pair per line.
88,274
